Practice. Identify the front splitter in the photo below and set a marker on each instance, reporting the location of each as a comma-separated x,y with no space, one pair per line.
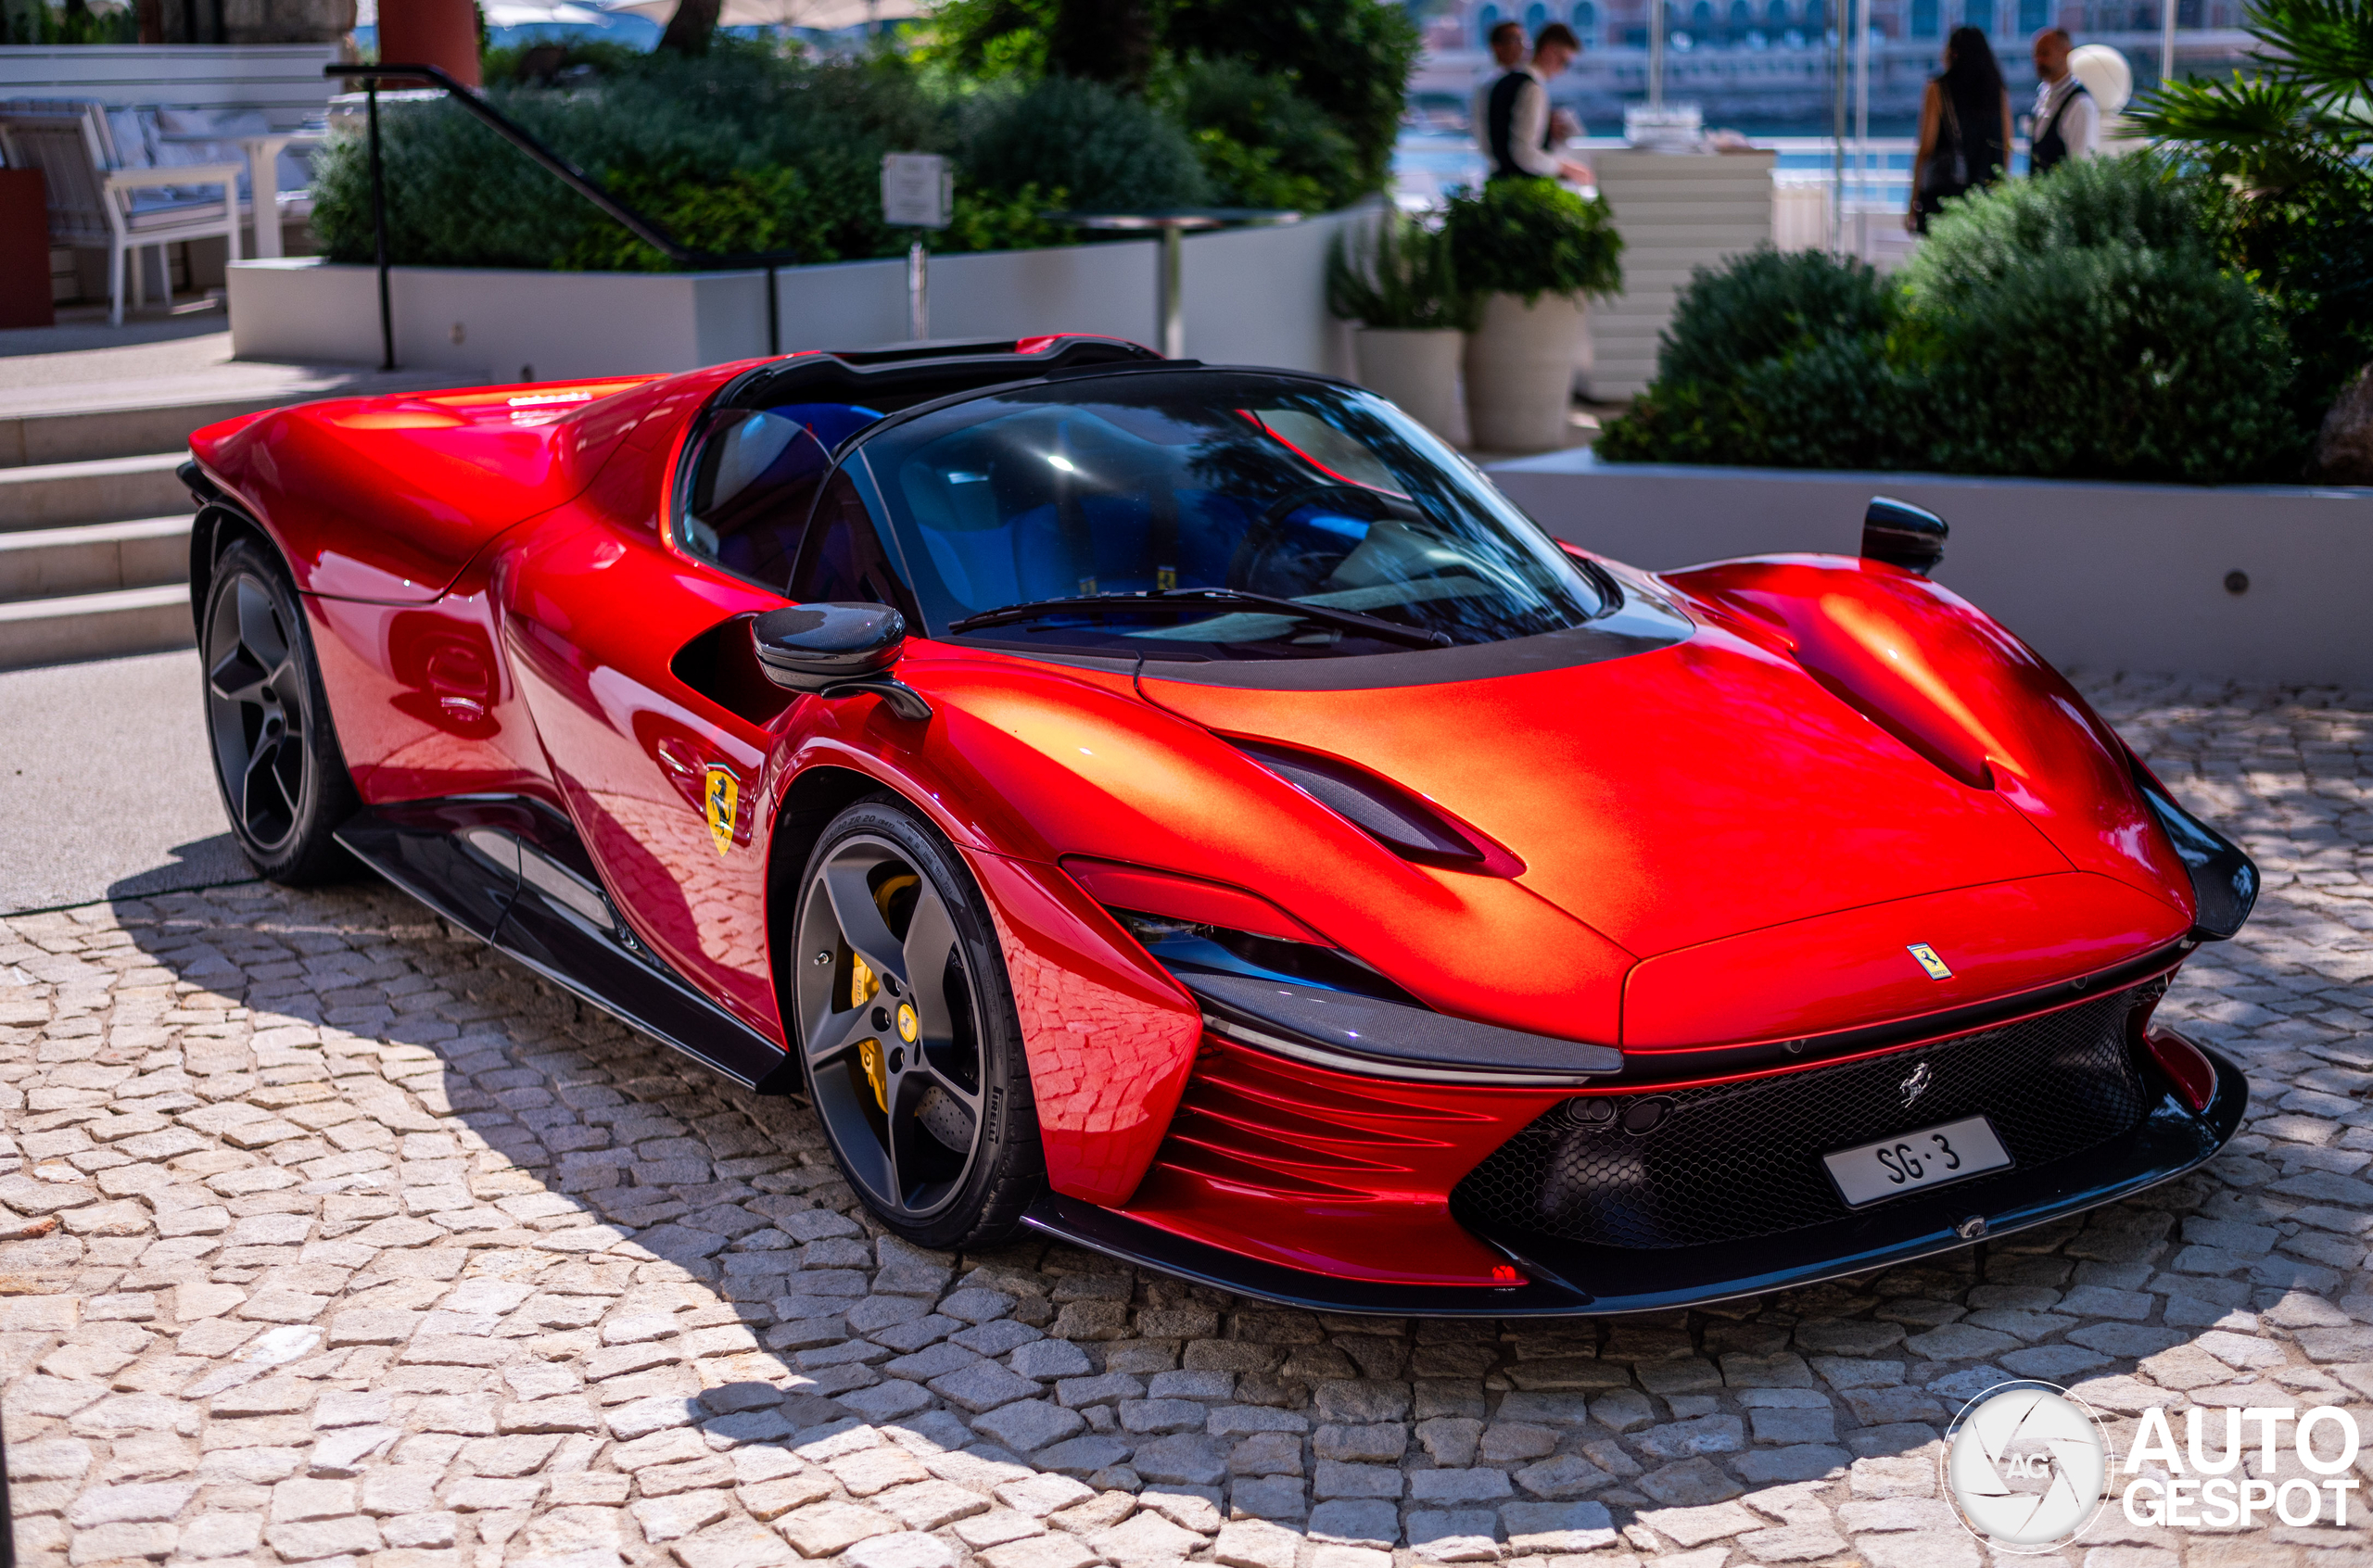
1568,1280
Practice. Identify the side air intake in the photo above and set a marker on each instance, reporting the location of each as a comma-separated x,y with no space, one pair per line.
1410,827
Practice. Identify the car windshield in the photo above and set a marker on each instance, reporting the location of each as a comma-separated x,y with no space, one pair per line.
1209,514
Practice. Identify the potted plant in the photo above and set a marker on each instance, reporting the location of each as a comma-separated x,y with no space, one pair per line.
1397,283
1533,251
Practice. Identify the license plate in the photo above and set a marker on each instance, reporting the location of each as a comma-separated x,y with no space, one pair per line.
1929,1157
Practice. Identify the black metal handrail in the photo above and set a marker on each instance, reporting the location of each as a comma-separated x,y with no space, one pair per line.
576,179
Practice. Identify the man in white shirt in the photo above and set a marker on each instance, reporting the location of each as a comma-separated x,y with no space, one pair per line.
2067,121
1513,124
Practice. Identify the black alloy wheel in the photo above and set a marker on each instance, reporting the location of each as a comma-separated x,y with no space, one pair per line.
276,761
908,1028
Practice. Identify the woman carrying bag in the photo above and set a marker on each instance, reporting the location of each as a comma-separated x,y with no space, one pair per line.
1964,128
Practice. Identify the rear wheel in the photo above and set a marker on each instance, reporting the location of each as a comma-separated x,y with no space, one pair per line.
907,1027
276,760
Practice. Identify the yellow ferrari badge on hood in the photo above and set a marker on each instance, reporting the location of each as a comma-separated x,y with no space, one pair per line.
724,793
1926,957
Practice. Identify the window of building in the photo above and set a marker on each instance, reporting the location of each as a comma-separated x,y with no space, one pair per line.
1485,21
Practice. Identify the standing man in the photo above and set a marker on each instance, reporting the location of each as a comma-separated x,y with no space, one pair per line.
1512,121
2067,121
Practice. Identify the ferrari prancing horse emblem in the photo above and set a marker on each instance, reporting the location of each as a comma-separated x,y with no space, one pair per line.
724,793
1929,961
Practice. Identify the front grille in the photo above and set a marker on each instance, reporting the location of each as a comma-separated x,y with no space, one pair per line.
1743,1159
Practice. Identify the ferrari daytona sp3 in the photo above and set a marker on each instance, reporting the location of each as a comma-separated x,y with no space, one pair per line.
1188,810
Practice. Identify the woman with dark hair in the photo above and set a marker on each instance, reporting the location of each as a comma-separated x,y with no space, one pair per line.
1964,128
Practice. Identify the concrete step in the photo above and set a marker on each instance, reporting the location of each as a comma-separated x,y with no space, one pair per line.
76,420
84,435
59,495
94,626
94,558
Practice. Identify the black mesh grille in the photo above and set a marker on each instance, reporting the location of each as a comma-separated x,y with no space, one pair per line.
1744,1159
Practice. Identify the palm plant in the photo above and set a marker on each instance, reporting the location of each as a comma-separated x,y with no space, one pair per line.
1399,274
2286,146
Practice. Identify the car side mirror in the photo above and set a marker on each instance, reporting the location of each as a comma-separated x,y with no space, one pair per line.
1903,534
837,651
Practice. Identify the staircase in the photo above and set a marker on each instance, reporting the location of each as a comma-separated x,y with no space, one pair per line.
94,524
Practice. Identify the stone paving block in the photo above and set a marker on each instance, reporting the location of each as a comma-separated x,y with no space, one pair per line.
1456,1536
827,1529
1374,1524
1559,1528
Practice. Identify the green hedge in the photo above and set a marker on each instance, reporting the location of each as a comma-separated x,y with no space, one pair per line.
746,148
2075,327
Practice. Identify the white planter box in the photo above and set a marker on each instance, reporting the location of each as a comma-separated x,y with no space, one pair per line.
1252,296
2097,576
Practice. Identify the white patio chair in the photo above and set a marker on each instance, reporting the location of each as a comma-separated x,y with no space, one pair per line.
99,197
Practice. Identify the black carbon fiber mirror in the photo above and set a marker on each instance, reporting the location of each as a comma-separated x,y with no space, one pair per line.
1903,534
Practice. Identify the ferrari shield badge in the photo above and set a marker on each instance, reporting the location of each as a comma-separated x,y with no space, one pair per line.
724,793
1929,961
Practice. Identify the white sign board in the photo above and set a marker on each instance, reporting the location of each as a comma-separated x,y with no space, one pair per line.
917,190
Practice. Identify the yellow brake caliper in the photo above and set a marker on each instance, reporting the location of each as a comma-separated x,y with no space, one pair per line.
864,984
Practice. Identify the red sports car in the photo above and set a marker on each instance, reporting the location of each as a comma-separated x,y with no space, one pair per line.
1189,811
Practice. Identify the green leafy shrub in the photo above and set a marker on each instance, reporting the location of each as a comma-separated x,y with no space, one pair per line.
1776,360
1261,144
2111,361
1397,275
1346,61
741,149
1350,58
1766,303
2075,327
1532,237
1111,153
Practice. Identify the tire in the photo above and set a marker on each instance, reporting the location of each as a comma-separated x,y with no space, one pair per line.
283,779
906,1029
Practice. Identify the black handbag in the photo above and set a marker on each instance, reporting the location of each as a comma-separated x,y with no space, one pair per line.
1937,181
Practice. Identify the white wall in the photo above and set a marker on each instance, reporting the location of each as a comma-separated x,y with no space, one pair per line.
285,79
1252,296
2094,575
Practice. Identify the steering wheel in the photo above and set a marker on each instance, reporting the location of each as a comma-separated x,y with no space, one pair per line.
1268,553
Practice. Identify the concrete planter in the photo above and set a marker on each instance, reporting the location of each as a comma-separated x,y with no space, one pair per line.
1252,296
1520,366
2098,577
1418,368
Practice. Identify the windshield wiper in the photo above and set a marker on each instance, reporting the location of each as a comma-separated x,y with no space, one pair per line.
1140,603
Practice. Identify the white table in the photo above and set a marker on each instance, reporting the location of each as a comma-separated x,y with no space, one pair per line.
262,153
263,175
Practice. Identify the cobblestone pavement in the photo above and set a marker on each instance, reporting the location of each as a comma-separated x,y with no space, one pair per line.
339,1241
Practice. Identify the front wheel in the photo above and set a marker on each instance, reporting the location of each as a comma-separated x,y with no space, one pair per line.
907,1023
276,760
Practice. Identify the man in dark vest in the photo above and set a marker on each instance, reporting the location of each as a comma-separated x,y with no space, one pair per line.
2067,121
1513,124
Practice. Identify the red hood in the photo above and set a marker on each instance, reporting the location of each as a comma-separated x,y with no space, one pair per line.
1667,799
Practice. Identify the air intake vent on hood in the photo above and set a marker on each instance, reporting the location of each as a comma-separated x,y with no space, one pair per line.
1409,826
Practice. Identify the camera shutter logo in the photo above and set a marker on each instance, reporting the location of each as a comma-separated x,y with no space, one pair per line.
2025,1466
